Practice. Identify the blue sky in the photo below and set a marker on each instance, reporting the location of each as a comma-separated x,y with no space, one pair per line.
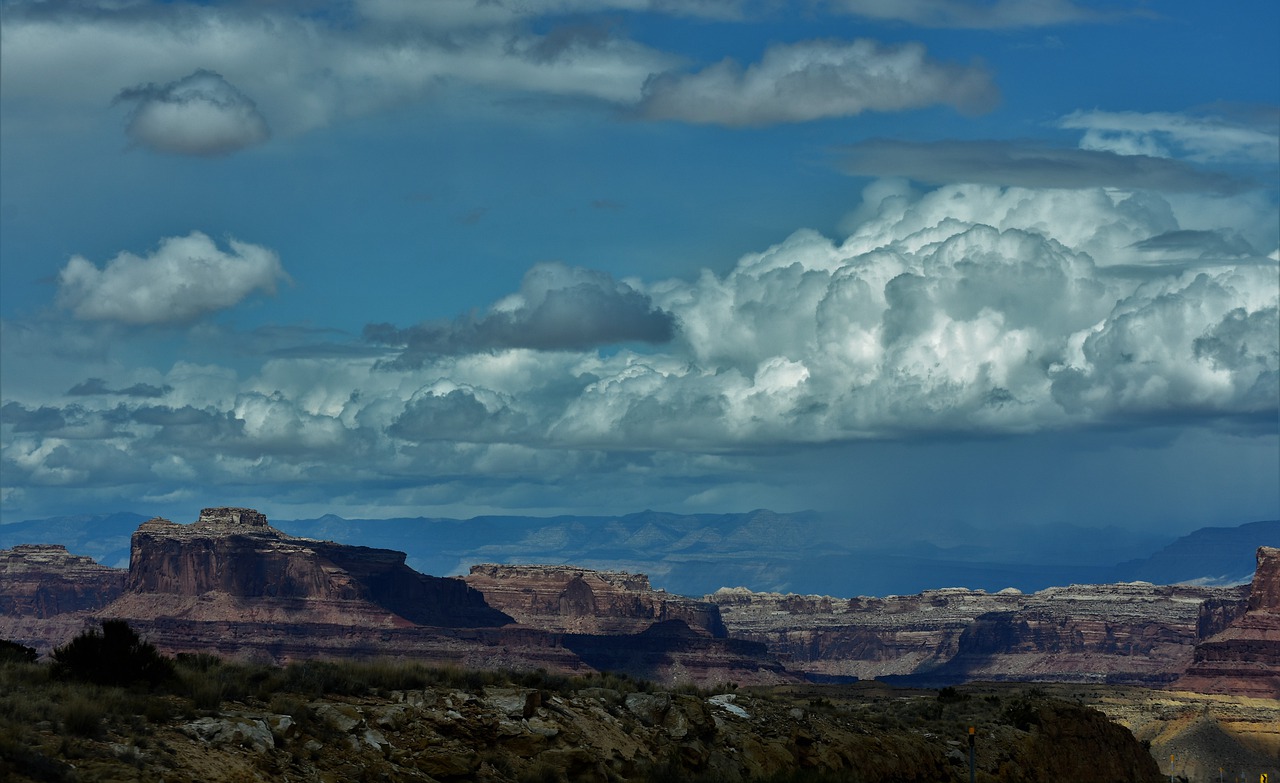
1005,264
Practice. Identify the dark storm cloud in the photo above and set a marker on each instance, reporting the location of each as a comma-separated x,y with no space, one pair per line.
1029,164
97,386
456,416
24,419
558,308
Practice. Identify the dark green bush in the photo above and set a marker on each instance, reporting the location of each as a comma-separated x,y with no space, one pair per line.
12,652
116,656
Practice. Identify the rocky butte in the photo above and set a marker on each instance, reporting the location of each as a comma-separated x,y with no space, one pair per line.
1243,659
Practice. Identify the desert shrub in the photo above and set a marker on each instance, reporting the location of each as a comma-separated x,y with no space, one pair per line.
81,714
12,652
950,695
1022,713
117,656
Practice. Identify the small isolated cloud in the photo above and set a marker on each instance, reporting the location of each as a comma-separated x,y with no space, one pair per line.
980,14
1166,134
202,114
1029,164
816,79
185,278
557,308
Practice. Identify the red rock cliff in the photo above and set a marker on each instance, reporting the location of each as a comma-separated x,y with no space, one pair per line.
1244,658
41,581
235,553
578,600
1132,633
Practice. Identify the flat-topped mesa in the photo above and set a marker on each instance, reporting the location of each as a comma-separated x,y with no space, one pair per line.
43,580
235,552
579,600
1132,632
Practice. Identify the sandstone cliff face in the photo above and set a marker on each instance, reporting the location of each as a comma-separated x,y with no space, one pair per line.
45,580
1243,659
232,553
578,600
1136,633
231,584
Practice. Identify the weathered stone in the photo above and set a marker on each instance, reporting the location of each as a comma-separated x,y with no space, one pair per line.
245,732
650,708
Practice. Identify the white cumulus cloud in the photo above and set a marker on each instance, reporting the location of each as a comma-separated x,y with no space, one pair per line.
815,79
185,278
201,114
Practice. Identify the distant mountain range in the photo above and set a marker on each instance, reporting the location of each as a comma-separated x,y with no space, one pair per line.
762,550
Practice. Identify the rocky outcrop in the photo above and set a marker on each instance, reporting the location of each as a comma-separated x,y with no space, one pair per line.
40,581
1128,633
581,601
1243,659
233,555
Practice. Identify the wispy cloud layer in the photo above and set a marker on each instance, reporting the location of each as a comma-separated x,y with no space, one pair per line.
1166,134
185,278
1030,164
815,79
972,13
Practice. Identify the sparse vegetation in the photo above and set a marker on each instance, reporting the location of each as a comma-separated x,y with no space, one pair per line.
49,723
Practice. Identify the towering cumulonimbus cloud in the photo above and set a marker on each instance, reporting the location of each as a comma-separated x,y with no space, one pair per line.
970,309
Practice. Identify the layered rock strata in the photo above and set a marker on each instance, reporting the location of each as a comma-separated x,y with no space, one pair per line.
231,556
231,584
43,580
1133,633
581,601
1243,659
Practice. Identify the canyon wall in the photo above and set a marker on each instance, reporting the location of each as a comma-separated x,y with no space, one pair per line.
1243,659
582,601
45,580
1121,633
